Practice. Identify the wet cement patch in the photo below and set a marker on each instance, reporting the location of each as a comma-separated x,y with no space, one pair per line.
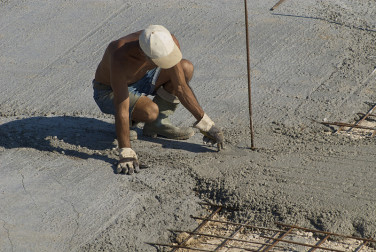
319,185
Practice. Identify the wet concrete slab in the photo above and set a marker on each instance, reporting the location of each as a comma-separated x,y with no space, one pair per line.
309,60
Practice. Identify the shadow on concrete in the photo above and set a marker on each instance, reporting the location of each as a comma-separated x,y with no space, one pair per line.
175,144
78,137
75,136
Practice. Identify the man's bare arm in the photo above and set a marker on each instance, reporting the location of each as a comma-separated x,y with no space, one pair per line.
184,92
121,100
212,134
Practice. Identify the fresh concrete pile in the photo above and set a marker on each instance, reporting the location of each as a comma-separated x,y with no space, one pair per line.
311,60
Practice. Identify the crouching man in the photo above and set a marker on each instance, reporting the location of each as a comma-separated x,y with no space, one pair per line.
148,62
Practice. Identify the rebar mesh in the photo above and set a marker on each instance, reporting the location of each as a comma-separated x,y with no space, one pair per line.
215,233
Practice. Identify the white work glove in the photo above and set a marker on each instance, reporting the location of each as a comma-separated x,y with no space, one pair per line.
128,162
212,134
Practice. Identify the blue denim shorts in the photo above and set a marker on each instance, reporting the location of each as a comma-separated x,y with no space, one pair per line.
104,96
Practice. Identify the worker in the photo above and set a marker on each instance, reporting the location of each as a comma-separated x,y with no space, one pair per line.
148,62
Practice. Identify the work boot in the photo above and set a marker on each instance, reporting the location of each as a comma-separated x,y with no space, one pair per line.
167,104
132,130
132,135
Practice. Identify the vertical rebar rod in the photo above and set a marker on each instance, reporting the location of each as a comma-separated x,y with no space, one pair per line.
249,76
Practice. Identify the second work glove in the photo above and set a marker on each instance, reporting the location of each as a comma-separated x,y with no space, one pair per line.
212,134
128,162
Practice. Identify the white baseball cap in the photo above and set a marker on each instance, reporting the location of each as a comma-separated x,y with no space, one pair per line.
157,43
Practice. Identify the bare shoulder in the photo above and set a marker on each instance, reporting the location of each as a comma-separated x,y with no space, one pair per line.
123,42
123,52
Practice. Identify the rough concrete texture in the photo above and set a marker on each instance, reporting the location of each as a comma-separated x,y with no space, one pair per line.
310,60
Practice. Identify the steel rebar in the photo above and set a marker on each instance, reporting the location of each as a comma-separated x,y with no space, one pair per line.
301,244
364,117
224,237
179,247
249,76
321,242
203,223
326,233
361,246
274,243
227,239
362,114
269,241
240,224
285,230
347,125
369,115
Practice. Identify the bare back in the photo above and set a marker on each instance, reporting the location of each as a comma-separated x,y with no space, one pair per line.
128,49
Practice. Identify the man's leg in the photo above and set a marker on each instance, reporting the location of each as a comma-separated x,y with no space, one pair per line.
167,103
104,96
145,110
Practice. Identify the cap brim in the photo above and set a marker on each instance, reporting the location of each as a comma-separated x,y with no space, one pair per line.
170,60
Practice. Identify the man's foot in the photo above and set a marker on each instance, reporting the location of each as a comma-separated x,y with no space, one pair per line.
167,131
162,125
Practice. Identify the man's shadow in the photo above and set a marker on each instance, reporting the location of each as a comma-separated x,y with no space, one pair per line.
74,136
78,137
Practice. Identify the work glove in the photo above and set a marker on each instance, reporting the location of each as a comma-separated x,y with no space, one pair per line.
212,134
128,162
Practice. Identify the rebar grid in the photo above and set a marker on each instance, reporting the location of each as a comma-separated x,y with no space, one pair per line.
357,125
281,238
364,117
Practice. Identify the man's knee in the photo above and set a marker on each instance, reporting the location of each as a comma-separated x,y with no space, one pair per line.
151,112
188,69
145,110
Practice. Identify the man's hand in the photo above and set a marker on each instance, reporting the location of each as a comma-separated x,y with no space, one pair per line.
128,162
212,134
